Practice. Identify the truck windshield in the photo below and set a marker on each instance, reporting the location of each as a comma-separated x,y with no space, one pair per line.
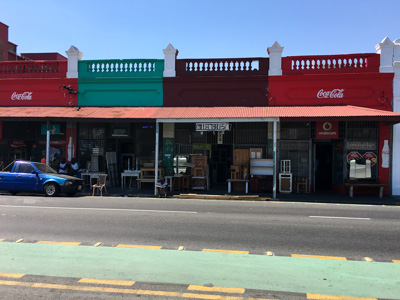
44,168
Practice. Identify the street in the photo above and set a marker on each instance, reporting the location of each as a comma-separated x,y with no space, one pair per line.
205,241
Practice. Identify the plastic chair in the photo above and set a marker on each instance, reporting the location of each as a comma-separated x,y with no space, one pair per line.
101,183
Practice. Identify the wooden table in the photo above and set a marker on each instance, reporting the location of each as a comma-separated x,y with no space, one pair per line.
229,181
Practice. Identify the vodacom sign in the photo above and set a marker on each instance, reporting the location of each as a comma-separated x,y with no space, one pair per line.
333,94
22,96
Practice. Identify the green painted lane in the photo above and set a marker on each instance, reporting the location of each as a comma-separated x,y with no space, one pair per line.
301,275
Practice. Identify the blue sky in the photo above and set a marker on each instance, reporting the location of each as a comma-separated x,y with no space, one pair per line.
125,29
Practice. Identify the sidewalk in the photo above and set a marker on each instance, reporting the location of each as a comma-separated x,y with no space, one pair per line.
220,193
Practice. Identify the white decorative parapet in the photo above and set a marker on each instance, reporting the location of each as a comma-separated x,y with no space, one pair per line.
74,55
170,54
396,128
275,59
385,49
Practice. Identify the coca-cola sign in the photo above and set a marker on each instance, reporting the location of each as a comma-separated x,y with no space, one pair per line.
333,94
22,96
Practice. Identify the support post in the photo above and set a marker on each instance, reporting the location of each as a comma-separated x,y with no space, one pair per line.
385,49
156,157
48,144
274,156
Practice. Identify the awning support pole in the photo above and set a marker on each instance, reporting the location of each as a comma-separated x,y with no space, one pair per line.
156,158
274,156
48,144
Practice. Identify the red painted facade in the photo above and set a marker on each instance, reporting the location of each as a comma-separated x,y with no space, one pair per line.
38,92
372,90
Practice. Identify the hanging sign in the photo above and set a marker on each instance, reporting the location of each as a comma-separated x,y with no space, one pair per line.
371,156
353,155
213,127
327,130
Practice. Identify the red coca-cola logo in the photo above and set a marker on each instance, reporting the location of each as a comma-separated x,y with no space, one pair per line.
22,96
333,94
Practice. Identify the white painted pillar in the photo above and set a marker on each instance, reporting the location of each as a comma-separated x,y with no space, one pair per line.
275,59
74,55
396,128
385,49
170,54
48,144
274,159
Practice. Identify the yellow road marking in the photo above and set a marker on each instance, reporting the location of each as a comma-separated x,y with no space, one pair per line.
11,275
226,251
270,253
369,259
216,289
106,281
396,261
58,243
319,256
1,240
138,246
19,241
120,291
97,244
331,297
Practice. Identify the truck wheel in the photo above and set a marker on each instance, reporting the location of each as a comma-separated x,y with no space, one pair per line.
51,189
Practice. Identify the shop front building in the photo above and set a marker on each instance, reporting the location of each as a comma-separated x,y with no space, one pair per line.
258,125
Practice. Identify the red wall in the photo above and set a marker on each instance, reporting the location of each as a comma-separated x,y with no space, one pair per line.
38,92
216,91
357,89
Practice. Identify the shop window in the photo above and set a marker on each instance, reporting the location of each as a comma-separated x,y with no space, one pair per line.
362,130
295,130
298,152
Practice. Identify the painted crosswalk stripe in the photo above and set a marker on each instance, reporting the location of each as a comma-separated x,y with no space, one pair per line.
138,246
107,281
58,243
332,297
216,289
319,256
226,251
11,275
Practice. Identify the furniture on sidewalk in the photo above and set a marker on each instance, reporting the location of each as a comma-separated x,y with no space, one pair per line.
148,175
100,184
130,175
351,184
246,181
89,177
181,182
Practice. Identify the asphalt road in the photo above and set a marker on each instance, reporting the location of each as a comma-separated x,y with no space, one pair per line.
351,231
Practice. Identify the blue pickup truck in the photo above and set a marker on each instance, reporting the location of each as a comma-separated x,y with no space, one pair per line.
27,176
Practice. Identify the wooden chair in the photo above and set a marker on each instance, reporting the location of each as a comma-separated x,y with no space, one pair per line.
235,172
100,184
302,185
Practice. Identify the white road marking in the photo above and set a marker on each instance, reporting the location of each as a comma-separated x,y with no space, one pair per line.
347,218
103,209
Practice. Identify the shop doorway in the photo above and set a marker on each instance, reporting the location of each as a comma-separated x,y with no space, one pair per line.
221,157
323,168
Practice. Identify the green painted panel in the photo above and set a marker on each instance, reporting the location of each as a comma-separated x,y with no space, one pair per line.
120,92
121,68
168,155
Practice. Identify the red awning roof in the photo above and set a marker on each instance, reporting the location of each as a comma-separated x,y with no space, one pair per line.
285,113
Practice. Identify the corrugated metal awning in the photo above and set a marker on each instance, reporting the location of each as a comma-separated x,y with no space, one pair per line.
189,114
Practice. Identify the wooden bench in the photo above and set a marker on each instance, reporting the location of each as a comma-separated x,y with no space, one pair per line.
229,181
357,184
